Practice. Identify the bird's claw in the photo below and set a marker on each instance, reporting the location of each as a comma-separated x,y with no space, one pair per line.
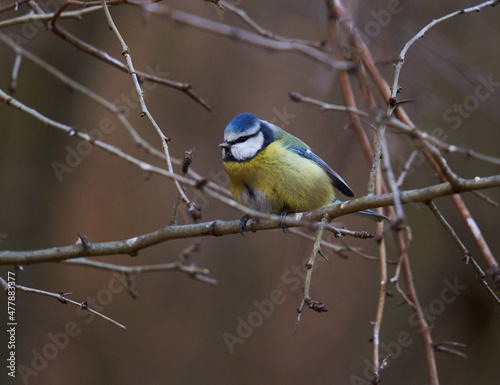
284,213
243,223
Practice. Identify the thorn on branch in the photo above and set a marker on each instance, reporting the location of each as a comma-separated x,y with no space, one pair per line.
131,285
215,2
62,296
440,347
194,211
83,240
404,101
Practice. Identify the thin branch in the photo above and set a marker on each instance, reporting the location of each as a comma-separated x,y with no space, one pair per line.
144,110
442,347
104,56
32,17
486,198
265,32
467,254
414,132
297,97
422,32
424,329
15,72
377,365
243,36
471,224
406,168
306,299
377,156
335,248
73,85
188,158
198,273
387,168
62,297
15,6
338,13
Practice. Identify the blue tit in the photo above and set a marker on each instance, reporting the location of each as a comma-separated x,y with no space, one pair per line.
274,172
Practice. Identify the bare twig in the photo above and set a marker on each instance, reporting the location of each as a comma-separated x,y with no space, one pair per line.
145,112
73,85
338,13
377,365
33,17
467,254
15,72
198,273
243,36
423,31
15,6
377,156
416,133
306,299
424,329
486,198
443,347
62,297
265,32
406,168
335,248
104,56
297,97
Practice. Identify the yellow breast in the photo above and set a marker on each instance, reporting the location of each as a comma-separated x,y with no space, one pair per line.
278,179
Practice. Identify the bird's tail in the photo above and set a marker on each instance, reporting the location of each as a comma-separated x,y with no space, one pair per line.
365,213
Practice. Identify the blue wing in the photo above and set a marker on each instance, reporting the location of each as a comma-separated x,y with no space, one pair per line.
366,213
335,178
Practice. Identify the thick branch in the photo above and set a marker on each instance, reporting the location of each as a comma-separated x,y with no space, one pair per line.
218,228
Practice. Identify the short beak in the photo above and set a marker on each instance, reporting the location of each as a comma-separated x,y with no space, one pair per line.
225,144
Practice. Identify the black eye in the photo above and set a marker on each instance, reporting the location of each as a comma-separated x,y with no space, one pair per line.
241,139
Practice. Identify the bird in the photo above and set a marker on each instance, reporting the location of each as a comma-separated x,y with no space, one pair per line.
274,172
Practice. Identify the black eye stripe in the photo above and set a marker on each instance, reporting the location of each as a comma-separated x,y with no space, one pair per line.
242,139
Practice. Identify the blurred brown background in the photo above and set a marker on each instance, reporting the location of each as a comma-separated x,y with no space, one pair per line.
176,325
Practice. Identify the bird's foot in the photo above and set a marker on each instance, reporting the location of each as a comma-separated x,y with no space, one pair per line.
284,213
243,223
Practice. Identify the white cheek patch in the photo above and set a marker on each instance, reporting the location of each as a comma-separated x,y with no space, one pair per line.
249,148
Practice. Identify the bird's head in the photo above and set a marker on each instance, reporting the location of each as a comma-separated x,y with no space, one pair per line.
244,137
